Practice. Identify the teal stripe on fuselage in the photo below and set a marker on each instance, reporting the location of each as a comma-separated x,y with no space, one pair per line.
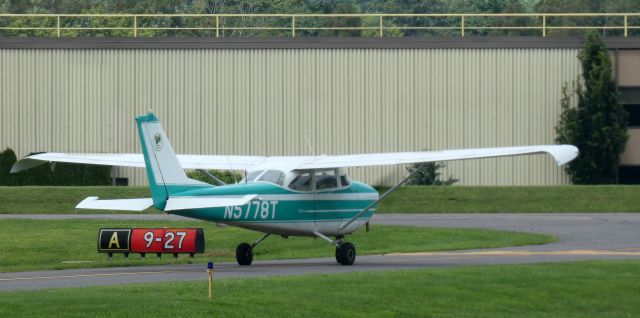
280,205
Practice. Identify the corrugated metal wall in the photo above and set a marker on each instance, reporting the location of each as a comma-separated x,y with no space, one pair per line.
264,101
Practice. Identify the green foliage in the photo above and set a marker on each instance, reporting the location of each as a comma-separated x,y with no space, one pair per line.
598,125
227,176
7,159
96,175
234,25
428,174
583,6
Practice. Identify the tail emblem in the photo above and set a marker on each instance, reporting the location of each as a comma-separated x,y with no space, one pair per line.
158,141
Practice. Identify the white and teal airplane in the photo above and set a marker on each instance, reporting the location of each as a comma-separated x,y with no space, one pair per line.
287,196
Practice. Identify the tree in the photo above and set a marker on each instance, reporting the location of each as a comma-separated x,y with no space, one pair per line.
428,174
598,123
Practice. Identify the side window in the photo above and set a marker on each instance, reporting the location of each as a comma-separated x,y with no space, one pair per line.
301,182
273,176
326,180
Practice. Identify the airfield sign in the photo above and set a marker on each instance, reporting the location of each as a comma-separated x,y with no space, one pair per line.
151,240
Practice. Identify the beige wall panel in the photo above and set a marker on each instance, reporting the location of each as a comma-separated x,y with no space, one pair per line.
631,155
265,102
629,68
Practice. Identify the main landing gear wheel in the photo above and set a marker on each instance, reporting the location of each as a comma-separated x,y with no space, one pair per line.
244,254
346,254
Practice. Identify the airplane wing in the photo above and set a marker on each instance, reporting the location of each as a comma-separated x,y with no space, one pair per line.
136,160
561,153
93,203
185,203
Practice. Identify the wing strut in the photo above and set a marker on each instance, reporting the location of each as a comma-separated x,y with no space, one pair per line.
379,199
211,176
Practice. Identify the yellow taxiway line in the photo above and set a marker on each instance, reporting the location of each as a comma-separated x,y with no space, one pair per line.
87,275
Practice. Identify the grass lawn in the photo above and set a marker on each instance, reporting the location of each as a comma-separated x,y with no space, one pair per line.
47,244
533,199
408,199
53,200
580,289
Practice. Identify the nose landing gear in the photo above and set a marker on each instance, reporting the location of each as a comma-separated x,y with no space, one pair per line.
244,251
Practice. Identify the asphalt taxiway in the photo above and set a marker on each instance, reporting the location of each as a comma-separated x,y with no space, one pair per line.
581,236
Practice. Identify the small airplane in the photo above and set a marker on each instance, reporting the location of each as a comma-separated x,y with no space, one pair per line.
309,196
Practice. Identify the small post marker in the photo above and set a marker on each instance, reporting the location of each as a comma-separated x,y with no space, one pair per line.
210,274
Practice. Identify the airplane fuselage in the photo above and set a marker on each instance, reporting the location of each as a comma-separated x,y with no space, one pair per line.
283,211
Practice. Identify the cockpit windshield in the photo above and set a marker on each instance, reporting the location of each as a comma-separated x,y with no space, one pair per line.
253,175
271,176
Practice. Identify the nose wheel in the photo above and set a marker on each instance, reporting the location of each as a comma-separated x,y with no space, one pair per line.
244,254
346,253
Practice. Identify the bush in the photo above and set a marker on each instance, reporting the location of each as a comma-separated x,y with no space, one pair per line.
428,174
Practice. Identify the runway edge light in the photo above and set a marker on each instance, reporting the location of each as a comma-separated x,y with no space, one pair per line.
210,274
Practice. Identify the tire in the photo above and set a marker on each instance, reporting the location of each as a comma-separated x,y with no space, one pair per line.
346,254
244,254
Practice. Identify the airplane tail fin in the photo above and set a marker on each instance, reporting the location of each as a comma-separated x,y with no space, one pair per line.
166,176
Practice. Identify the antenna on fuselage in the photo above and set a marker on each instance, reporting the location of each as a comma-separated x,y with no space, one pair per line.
313,153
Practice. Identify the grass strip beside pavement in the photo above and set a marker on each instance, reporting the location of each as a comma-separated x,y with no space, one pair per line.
27,245
574,289
508,199
407,199
61,200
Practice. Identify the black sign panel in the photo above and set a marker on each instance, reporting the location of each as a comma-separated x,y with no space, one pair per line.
114,240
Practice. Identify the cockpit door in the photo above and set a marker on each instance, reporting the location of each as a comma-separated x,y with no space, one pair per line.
329,203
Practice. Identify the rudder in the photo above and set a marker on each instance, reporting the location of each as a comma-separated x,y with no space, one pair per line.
166,176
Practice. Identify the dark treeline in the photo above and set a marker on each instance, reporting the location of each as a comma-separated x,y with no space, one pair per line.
313,6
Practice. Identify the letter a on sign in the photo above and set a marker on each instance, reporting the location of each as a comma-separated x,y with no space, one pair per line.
114,240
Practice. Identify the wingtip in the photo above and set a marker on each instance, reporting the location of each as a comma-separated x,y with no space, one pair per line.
566,154
26,163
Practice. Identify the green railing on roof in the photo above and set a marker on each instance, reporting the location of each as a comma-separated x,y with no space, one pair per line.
295,25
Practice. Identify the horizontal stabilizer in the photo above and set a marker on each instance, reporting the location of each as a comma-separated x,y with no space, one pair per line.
93,203
185,203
